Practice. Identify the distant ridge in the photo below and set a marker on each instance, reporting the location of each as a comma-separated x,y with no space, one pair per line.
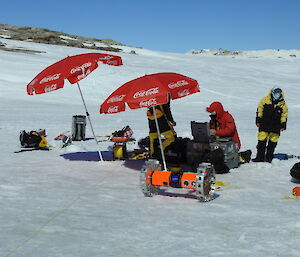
267,53
46,36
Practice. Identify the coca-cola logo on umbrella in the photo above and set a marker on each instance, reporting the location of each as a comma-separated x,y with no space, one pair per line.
183,92
50,88
83,75
179,83
50,78
82,68
143,93
113,109
115,99
148,103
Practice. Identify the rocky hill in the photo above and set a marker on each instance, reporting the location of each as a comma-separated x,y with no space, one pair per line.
46,36
267,53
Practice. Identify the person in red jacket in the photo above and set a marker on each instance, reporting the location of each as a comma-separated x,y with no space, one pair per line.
222,123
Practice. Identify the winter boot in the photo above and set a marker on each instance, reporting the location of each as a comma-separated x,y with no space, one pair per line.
245,156
270,151
261,151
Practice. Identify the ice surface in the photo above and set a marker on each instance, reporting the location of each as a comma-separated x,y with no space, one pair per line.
54,207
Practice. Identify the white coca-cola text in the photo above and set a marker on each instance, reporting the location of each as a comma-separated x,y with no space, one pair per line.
50,78
107,57
50,88
117,98
113,109
83,75
81,68
179,83
148,103
183,92
112,62
143,93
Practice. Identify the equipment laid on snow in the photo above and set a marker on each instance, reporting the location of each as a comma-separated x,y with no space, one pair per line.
64,140
33,139
296,191
295,171
204,142
284,156
231,152
202,181
78,127
120,139
295,194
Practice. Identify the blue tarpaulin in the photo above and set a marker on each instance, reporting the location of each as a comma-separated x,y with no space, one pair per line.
89,156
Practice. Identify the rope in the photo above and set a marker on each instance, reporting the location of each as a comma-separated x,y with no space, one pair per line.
47,222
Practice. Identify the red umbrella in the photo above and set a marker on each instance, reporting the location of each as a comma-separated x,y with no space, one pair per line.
150,90
73,68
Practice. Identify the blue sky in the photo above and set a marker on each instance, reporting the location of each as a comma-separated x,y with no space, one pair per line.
167,25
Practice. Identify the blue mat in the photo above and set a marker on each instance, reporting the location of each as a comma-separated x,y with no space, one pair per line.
89,156
284,156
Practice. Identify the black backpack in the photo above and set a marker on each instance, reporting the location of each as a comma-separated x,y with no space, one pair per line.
30,140
295,171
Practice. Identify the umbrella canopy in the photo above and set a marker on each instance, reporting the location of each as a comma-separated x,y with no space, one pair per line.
149,90
73,68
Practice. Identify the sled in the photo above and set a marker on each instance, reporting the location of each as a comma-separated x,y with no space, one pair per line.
201,182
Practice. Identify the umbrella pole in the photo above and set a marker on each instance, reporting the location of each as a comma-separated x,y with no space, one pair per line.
159,139
88,115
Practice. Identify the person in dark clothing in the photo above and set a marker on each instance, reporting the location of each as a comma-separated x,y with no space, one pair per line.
165,123
271,119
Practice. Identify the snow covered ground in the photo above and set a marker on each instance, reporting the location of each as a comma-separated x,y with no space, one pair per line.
54,207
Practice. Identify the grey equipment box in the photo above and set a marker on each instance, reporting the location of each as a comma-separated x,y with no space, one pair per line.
78,127
231,151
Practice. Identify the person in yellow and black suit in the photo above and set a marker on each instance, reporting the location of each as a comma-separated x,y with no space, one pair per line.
166,123
271,119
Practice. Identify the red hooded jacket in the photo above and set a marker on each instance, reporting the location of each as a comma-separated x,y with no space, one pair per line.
225,126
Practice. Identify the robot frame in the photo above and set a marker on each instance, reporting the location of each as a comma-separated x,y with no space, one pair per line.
195,163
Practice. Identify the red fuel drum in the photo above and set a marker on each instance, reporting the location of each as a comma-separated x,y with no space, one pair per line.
171,179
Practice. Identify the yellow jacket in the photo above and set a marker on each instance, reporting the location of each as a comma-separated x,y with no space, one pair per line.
272,115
